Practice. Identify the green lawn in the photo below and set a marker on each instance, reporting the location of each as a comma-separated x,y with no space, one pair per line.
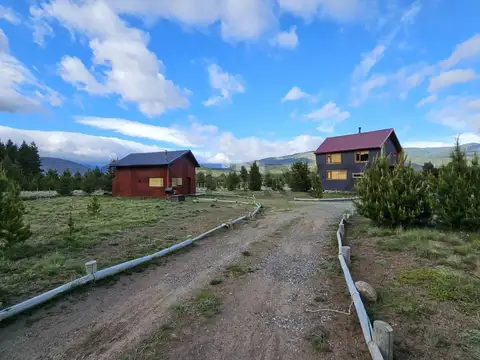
124,229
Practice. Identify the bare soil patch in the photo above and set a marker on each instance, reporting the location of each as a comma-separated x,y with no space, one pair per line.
428,288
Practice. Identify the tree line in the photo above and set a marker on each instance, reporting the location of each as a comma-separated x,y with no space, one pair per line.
22,165
447,196
298,178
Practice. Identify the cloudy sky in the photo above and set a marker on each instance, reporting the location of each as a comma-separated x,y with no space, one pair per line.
235,80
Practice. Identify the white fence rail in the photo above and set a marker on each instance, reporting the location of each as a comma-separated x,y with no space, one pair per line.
379,336
93,274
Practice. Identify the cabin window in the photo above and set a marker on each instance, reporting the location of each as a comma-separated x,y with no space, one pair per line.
357,175
177,182
334,158
337,175
361,156
155,182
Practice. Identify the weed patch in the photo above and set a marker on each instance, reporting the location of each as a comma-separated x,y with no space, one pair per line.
214,282
470,342
443,286
207,304
237,270
318,339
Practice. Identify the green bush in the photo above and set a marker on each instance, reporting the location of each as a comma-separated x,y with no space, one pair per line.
317,188
393,196
300,178
12,228
456,200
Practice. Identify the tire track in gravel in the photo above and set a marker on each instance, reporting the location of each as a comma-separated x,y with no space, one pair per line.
263,315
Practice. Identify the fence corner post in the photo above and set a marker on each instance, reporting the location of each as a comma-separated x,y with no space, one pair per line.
346,254
383,337
91,267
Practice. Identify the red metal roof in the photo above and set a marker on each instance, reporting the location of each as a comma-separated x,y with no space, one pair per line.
359,141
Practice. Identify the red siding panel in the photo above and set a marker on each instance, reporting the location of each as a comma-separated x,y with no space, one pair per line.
134,181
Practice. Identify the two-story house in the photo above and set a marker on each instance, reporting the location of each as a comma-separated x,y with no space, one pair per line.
342,159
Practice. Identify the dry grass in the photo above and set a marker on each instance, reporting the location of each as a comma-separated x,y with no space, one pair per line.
124,229
428,285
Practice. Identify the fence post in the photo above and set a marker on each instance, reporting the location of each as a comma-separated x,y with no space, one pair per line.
346,254
341,227
383,337
91,267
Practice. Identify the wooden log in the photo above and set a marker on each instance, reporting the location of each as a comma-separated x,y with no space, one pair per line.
91,267
346,254
383,337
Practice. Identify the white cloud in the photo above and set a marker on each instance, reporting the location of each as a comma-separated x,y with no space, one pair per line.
329,115
76,146
466,50
449,78
225,83
295,93
286,39
337,10
72,70
459,113
127,67
253,148
362,85
464,138
138,129
427,100
9,15
20,91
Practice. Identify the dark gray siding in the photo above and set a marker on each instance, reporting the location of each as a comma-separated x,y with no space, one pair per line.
348,163
391,150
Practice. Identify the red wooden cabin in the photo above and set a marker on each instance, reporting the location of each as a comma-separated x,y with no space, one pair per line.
149,174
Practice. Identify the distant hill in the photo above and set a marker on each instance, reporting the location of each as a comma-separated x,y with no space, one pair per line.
60,165
418,156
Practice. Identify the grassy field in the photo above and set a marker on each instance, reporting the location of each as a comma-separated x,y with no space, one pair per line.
124,229
429,287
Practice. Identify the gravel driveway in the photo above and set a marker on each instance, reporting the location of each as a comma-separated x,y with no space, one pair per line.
263,315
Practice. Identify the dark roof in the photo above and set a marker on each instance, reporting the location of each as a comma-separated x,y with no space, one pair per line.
154,158
359,141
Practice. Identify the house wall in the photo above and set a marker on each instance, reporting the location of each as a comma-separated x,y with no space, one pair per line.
134,181
348,163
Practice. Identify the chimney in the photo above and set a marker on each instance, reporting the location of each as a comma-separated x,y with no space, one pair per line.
166,156
359,130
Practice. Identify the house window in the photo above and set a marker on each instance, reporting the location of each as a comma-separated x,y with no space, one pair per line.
337,175
334,158
177,182
155,182
361,156
357,175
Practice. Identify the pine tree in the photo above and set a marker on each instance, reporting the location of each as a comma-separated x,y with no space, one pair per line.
317,188
244,176
456,192
300,178
93,206
11,150
3,152
13,230
232,181
221,180
268,179
201,179
210,182
255,178
392,197
51,180
109,176
89,182
65,187
77,181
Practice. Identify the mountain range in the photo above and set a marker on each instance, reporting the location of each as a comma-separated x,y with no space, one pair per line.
418,156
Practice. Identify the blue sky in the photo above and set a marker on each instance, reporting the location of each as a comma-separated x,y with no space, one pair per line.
235,80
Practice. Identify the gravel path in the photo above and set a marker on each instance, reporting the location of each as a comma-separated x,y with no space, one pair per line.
264,316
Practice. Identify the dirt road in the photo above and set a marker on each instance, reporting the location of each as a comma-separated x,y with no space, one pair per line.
263,315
